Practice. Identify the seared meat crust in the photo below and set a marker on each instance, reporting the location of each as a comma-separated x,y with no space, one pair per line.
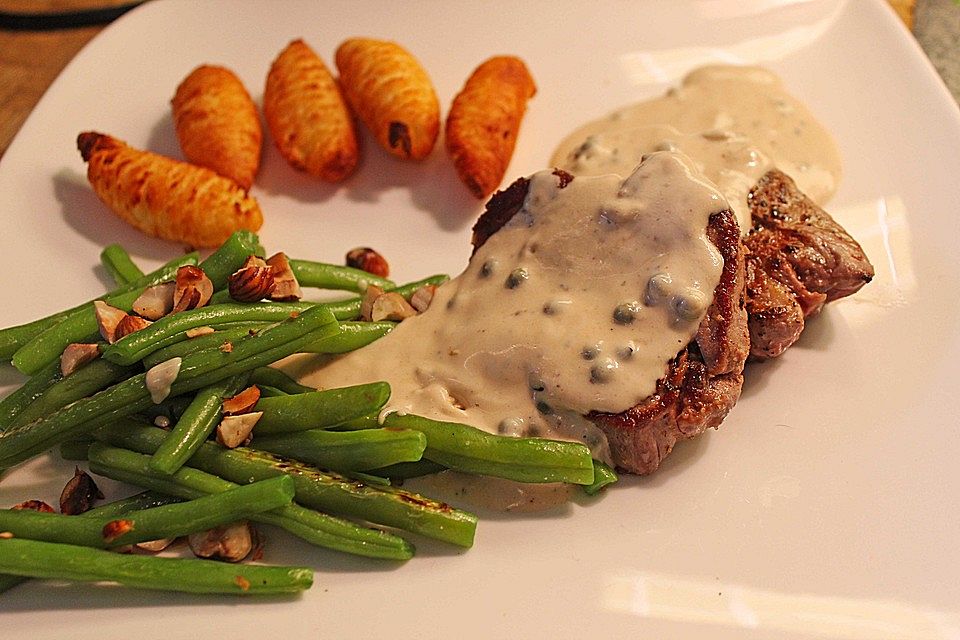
798,259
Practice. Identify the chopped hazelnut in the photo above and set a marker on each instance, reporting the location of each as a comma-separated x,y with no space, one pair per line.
368,260
196,332
76,355
253,281
391,306
34,505
193,289
422,297
234,431
155,546
130,324
156,301
108,318
116,528
232,542
243,402
370,294
286,286
79,494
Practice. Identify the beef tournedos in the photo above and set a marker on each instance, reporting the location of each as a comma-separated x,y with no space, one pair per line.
795,259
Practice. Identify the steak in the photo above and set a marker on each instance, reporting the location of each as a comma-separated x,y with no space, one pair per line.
798,259
795,259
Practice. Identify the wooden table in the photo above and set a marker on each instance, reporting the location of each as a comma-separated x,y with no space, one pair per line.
30,60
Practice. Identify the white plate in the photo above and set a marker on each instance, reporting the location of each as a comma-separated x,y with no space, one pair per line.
826,505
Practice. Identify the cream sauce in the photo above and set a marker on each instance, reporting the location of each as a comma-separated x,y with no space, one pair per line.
576,304
735,122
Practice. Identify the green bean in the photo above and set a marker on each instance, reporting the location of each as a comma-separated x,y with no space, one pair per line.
35,559
227,332
92,377
602,477
272,377
168,521
130,396
36,343
118,264
136,502
465,448
352,336
322,490
407,470
270,392
196,424
319,409
230,256
316,528
320,275
370,479
347,450
370,421
20,398
170,329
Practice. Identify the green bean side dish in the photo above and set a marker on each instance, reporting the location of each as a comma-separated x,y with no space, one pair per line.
320,464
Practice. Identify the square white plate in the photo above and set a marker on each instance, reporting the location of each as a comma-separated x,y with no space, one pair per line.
825,507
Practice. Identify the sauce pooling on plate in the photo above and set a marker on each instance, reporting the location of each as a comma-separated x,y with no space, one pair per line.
736,123
576,304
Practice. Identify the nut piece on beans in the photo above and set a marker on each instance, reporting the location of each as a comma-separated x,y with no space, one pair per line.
115,529
252,282
34,505
286,287
422,297
155,546
243,402
130,324
156,301
76,355
368,260
391,306
232,542
193,288
79,494
234,431
108,317
370,294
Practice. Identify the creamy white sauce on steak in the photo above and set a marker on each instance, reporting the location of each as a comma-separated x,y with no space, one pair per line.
737,123
576,304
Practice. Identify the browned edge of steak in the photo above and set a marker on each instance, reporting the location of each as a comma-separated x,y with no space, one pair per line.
798,259
701,384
